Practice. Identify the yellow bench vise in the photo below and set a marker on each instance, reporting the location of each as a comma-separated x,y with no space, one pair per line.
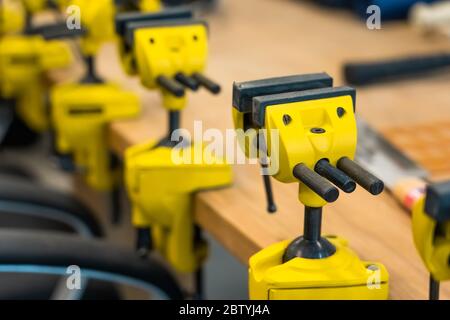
169,52
310,133
24,59
127,20
80,115
139,5
12,17
162,192
82,111
431,230
97,17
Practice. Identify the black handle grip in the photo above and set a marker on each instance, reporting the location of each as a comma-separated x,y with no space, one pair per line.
316,183
187,81
209,84
171,86
373,72
364,178
339,178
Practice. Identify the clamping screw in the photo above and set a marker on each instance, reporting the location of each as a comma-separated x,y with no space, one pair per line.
318,130
287,119
340,112
372,267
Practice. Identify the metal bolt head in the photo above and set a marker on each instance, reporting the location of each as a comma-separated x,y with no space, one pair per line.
318,130
340,112
287,119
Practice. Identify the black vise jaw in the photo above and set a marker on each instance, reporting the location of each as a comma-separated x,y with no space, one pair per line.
261,103
123,19
437,202
244,93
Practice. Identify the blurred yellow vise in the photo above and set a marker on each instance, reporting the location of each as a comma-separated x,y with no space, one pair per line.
162,190
310,129
97,17
127,23
80,115
431,229
168,51
23,63
12,17
16,14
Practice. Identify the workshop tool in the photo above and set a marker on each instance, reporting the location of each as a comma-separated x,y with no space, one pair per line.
98,18
81,111
367,73
312,127
127,55
24,59
169,52
431,230
138,5
12,17
28,52
431,18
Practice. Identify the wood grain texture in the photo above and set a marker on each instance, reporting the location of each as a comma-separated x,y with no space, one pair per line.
254,39
427,144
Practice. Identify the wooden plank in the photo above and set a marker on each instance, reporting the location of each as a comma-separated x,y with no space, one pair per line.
261,38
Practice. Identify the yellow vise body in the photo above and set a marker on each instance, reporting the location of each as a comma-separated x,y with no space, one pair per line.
34,6
98,19
23,63
433,247
12,17
80,115
162,190
340,276
149,5
128,23
296,143
168,50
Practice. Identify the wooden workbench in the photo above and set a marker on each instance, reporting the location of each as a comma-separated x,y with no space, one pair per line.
254,39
